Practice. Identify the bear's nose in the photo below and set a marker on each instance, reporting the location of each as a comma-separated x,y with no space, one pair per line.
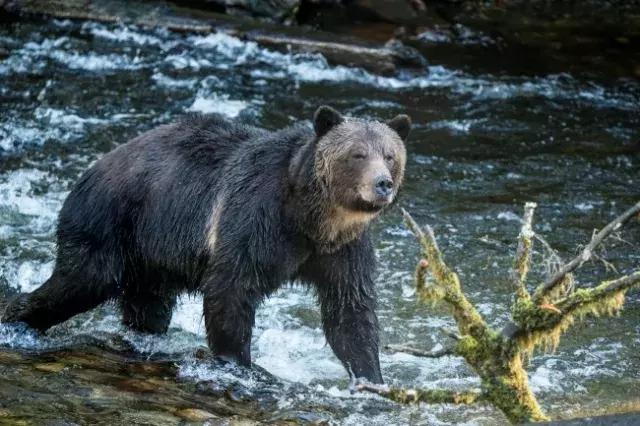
384,186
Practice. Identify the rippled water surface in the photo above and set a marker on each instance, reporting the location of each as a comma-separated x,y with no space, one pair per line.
481,147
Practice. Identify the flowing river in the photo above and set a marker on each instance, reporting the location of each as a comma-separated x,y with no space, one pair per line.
483,144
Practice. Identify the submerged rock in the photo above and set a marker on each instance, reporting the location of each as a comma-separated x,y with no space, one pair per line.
89,380
85,383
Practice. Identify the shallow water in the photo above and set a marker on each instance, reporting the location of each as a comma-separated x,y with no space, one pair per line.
482,145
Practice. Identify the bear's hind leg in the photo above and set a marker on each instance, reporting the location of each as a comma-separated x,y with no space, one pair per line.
62,296
147,311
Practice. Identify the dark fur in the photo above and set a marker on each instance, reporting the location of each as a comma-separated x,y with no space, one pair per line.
134,228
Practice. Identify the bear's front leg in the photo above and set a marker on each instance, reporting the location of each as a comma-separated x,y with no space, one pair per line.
352,332
346,290
229,314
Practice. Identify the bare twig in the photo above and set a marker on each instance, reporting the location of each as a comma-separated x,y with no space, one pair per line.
555,263
421,353
451,334
557,259
523,253
608,266
586,253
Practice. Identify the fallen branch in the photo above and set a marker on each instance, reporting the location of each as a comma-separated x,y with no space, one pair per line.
429,396
421,353
497,357
338,50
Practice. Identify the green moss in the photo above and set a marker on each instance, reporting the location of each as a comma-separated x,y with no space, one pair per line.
467,345
511,394
521,268
431,293
432,396
543,328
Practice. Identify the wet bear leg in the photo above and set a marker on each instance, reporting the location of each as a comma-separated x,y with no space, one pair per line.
147,311
229,315
63,295
346,290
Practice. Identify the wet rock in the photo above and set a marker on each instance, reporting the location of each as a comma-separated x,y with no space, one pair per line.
211,387
239,393
277,10
106,384
194,414
132,385
405,56
312,418
49,367
397,11
61,423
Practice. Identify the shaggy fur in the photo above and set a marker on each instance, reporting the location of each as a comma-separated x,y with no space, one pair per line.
231,211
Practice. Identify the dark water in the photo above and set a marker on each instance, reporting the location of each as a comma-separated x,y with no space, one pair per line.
482,146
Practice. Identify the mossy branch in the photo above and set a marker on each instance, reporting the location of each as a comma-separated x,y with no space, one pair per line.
429,396
544,325
606,298
498,357
447,284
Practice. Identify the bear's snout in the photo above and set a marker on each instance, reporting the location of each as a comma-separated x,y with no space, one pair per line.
383,188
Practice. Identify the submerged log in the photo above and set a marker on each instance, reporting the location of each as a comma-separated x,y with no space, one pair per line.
538,320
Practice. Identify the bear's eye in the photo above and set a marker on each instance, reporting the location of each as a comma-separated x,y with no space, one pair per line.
388,158
359,156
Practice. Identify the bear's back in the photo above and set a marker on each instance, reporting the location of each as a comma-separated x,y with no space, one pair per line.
155,194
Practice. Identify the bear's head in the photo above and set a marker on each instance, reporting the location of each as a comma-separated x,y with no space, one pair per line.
346,175
359,163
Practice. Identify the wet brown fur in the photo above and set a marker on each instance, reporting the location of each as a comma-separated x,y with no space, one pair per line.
232,212
343,183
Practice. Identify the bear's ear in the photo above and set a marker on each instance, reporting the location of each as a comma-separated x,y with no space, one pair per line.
401,124
324,119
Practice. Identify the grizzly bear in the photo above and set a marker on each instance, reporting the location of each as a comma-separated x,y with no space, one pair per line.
230,211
